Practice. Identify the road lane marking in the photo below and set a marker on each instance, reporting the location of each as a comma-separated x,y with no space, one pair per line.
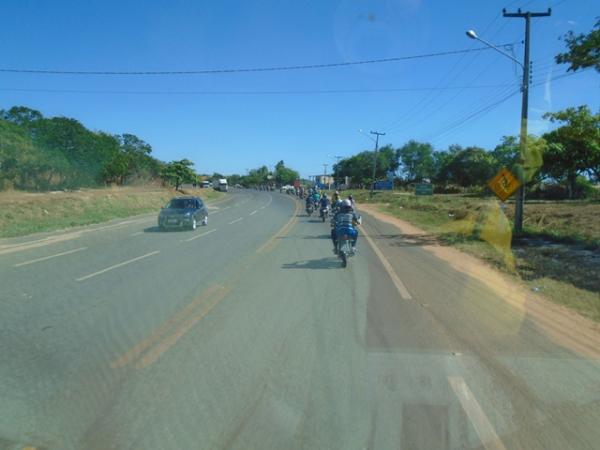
483,427
146,343
165,344
254,212
137,234
116,266
390,270
68,252
200,235
236,220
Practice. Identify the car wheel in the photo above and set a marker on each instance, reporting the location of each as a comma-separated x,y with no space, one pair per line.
194,224
205,221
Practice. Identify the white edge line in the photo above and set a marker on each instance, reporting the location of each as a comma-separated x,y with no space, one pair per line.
483,427
390,270
68,252
117,266
200,235
254,212
236,220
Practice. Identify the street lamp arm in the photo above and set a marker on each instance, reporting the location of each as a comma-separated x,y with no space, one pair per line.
472,35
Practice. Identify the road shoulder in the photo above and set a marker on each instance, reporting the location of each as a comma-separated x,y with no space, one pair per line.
561,324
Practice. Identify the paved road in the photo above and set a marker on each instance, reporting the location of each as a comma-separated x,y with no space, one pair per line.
246,334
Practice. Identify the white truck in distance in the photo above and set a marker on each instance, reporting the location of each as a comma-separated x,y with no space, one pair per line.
220,185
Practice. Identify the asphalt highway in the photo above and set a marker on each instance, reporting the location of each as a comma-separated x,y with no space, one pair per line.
247,334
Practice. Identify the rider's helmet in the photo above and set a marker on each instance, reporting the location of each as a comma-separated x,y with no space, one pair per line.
346,206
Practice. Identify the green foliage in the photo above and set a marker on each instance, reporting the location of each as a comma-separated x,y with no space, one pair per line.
418,160
583,50
285,175
178,172
573,148
360,167
40,153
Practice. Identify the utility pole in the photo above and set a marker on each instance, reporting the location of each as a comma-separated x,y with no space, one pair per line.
376,133
520,200
337,162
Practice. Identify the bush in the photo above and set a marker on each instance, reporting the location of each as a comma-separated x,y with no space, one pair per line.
584,189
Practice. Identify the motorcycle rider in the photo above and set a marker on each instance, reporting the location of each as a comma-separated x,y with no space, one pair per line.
324,203
309,202
347,220
316,197
352,201
335,198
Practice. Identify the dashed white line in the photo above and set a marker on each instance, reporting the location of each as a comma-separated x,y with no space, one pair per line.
236,220
483,427
117,266
68,252
254,212
137,234
200,235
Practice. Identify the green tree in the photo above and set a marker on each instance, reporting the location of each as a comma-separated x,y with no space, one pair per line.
583,50
472,166
507,152
417,160
178,172
360,166
285,175
573,148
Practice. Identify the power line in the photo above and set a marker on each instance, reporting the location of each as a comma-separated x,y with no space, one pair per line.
460,123
276,92
243,70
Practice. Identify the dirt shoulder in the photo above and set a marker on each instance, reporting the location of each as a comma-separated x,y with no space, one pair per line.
561,323
24,213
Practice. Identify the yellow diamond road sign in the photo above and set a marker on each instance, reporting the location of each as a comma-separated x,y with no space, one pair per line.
504,184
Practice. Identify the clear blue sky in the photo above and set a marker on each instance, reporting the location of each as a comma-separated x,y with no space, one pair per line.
234,132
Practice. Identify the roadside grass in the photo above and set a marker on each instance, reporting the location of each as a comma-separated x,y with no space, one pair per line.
558,255
23,213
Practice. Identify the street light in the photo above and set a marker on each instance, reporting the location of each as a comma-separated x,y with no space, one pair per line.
473,35
524,113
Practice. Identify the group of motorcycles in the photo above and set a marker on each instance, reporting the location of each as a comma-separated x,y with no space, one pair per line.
344,249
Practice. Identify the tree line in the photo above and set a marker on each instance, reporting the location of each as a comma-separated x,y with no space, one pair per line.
568,155
262,176
40,153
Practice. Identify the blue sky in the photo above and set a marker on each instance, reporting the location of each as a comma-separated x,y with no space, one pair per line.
234,132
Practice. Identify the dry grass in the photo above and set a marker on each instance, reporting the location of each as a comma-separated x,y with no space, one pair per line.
23,213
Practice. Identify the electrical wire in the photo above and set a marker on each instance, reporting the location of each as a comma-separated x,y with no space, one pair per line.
244,70
283,92
460,123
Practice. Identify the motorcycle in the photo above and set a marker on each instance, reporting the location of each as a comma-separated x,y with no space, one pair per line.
324,213
344,248
309,209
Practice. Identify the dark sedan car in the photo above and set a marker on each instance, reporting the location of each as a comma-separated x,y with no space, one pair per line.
183,212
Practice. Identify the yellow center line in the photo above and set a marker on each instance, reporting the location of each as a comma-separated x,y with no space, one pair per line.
146,343
165,344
